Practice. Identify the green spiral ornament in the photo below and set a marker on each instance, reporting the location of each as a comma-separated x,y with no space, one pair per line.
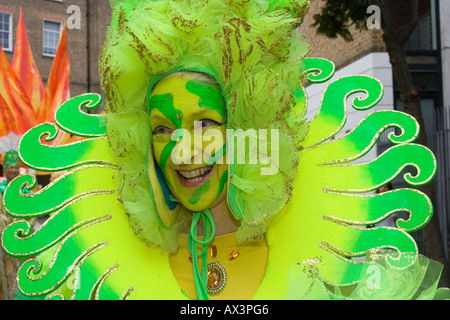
330,189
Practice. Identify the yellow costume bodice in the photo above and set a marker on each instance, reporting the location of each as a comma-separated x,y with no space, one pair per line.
244,265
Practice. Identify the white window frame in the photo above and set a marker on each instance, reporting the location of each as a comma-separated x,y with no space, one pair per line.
10,36
43,36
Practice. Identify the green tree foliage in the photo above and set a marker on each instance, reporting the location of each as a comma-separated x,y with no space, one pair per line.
337,17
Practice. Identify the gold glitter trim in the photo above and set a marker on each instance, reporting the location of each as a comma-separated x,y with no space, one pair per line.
392,177
85,162
95,293
51,184
127,293
374,139
69,233
85,103
344,103
70,269
385,216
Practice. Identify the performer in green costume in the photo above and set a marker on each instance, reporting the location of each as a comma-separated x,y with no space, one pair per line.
136,218
11,168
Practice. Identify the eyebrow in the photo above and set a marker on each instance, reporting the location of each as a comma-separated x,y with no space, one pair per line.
161,120
195,114
205,112
158,116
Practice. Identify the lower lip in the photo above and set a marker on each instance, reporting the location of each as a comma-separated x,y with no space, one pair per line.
196,183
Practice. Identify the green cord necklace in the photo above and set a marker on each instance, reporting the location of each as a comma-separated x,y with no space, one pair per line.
201,277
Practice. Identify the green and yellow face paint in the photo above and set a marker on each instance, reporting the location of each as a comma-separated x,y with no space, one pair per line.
187,117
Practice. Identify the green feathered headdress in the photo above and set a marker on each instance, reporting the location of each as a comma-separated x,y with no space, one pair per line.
253,49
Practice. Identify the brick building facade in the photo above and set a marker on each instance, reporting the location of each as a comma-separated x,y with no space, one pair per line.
338,50
85,43
83,40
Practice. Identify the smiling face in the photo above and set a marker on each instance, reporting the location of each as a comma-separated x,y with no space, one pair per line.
184,109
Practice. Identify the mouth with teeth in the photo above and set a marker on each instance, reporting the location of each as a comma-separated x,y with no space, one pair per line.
194,178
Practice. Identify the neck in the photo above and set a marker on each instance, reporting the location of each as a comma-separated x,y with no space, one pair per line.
224,220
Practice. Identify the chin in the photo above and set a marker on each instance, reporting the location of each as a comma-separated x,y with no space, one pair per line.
197,207
204,205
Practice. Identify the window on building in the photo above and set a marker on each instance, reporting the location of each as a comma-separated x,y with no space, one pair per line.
6,31
51,35
424,36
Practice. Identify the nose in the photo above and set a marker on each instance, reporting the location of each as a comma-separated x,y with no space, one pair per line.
188,148
197,146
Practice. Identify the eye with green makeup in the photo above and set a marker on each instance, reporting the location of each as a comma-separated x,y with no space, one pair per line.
200,125
182,108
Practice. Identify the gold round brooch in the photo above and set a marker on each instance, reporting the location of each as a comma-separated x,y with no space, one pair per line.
217,278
